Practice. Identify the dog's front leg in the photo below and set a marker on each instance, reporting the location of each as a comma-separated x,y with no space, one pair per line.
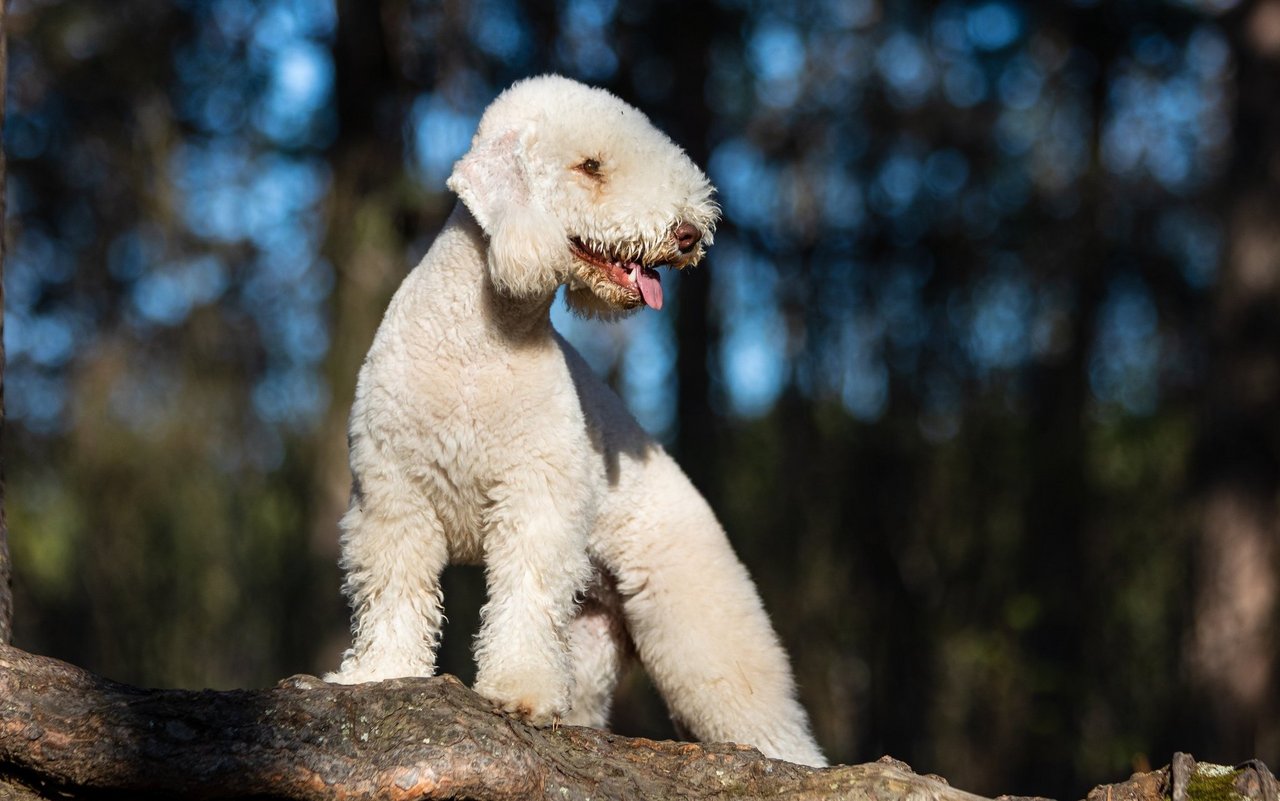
393,550
535,564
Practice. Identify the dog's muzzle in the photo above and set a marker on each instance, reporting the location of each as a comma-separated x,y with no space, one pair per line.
639,276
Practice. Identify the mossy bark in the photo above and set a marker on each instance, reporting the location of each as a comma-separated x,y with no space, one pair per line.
1184,779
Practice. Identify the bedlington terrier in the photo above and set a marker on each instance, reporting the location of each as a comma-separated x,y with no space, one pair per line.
478,435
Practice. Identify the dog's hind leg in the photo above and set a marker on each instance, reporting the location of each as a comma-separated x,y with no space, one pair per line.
698,623
599,650
393,551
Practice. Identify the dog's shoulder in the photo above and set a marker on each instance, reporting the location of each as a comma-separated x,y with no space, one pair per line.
612,427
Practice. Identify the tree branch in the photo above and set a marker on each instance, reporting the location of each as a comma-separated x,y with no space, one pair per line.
67,733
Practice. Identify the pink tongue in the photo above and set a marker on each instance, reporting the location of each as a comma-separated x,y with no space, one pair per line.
650,287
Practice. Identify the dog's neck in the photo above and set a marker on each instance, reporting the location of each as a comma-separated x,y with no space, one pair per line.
517,320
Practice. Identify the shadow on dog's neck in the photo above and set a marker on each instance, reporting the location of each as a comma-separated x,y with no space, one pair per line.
520,320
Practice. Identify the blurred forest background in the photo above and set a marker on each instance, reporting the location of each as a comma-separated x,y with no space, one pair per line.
982,374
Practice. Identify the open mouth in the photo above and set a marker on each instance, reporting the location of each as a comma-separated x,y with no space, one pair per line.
641,280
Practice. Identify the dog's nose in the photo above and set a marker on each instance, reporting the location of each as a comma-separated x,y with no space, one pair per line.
687,237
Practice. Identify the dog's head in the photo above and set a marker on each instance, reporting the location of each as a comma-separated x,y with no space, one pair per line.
574,186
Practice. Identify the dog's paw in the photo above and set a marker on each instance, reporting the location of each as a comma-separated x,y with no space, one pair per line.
539,697
364,672
346,677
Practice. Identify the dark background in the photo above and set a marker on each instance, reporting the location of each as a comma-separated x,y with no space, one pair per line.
982,373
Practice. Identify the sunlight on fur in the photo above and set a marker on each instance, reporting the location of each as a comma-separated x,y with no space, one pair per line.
478,435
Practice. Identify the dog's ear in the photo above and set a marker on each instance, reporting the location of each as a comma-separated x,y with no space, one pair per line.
526,242
491,176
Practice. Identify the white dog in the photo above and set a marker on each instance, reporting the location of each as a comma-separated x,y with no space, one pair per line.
478,435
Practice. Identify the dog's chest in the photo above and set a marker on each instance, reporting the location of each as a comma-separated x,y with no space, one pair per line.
472,421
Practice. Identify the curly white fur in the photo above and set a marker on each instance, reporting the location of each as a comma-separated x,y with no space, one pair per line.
478,435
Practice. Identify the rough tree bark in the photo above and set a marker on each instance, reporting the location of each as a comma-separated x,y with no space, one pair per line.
65,733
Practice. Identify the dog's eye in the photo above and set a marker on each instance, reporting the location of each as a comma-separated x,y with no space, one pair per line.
589,167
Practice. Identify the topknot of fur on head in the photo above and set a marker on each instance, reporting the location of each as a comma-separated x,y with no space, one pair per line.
574,186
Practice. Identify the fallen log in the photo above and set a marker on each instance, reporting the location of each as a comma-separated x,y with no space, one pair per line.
66,733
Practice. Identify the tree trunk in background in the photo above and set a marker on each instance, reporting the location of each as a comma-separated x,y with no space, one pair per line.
697,426
365,245
6,588
1057,507
1233,645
